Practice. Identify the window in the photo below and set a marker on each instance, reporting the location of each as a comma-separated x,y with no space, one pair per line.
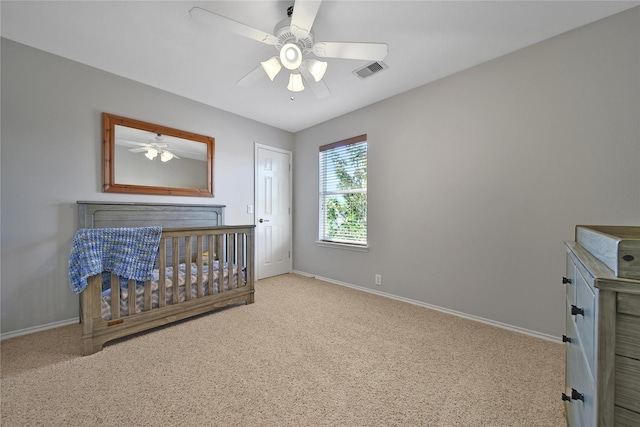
343,192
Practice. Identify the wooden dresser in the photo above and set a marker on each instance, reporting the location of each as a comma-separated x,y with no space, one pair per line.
602,380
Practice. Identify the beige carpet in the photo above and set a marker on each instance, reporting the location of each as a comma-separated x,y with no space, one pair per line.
307,353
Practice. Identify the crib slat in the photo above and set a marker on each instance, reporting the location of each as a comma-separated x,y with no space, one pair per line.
241,260
232,260
95,298
246,267
147,295
210,269
237,261
220,253
199,253
187,268
115,297
131,297
230,253
175,263
162,265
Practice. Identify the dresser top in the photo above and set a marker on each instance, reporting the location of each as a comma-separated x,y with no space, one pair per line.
604,277
616,232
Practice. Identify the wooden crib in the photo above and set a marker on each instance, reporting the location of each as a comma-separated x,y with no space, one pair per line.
202,265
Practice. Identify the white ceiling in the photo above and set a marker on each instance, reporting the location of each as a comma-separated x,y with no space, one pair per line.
158,44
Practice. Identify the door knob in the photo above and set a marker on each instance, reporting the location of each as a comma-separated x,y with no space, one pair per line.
263,220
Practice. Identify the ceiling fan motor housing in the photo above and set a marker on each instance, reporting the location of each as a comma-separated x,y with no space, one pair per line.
284,35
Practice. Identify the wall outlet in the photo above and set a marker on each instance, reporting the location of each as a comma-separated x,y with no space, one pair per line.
378,279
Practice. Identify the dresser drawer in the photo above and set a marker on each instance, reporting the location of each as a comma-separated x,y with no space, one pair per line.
580,413
628,336
584,314
627,394
570,280
626,418
629,304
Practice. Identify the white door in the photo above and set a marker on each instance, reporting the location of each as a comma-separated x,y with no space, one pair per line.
273,211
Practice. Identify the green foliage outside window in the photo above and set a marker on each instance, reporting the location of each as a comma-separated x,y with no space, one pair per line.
346,208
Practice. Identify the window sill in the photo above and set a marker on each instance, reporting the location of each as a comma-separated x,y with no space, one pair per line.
343,246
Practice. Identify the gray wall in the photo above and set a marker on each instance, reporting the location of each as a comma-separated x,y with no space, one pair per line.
51,158
476,180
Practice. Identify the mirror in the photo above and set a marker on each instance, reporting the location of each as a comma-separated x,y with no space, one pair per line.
144,158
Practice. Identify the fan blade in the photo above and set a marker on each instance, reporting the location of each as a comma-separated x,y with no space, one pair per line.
253,77
366,51
304,13
138,150
214,20
129,141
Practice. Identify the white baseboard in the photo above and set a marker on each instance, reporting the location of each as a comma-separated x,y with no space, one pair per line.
442,309
39,328
337,282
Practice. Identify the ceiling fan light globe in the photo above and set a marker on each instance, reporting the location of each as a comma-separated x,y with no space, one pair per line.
291,56
317,69
295,83
165,156
272,67
151,153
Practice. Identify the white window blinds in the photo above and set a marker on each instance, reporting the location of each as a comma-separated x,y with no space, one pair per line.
343,191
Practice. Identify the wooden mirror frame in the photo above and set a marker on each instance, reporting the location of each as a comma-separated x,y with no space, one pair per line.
109,121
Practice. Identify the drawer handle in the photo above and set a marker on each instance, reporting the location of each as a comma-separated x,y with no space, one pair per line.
628,258
566,280
575,395
565,397
566,338
576,310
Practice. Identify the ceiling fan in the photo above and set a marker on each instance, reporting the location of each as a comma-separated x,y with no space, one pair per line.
154,147
297,49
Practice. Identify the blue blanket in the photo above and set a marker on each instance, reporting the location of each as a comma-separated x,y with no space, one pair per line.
127,252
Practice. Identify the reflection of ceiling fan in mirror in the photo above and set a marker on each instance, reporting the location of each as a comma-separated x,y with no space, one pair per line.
294,40
154,147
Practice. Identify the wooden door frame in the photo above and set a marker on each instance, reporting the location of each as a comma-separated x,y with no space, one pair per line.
289,153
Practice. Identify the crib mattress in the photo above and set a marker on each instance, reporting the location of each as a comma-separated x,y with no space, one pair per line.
182,288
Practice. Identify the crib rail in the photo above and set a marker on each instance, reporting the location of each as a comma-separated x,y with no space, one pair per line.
229,248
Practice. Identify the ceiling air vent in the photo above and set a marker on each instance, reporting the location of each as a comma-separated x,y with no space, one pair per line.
370,69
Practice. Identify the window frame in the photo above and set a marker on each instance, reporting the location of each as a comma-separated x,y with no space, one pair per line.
322,194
